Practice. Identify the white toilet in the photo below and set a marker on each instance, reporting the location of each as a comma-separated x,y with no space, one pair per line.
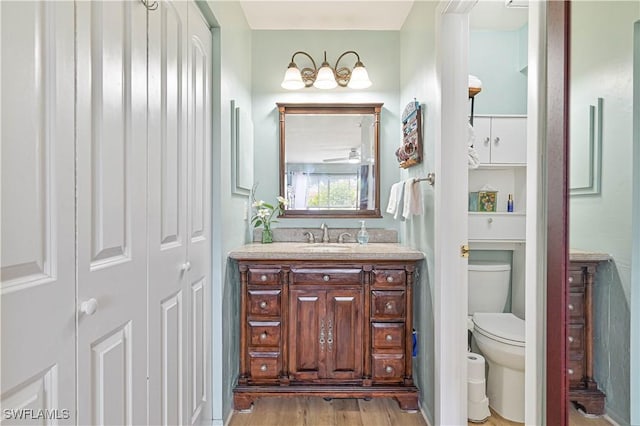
499,336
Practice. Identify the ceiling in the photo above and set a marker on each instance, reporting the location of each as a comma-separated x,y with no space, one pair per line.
365,15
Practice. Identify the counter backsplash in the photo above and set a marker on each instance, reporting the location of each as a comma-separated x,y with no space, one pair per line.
283,235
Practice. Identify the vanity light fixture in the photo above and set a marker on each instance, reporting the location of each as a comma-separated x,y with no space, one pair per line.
326,77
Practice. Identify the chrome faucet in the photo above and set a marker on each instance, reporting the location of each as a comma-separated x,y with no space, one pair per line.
325,233
341,237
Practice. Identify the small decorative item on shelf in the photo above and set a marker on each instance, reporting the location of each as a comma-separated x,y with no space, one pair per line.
264,216
410,152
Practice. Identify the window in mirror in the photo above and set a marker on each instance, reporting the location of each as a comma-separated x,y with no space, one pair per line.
329,159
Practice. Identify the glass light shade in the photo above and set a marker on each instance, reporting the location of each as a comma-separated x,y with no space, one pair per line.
325,78
359,77
292,79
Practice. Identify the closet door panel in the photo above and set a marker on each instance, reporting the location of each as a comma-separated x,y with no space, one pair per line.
167,215
37,272
199,51
111,212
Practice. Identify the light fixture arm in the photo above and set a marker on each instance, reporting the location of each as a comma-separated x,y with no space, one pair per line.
308,74
343,75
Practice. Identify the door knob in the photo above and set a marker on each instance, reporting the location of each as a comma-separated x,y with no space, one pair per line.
88,307
186,266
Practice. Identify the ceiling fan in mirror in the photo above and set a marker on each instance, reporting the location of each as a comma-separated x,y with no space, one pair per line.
352,157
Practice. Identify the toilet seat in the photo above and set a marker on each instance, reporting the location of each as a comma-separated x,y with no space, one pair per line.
502,327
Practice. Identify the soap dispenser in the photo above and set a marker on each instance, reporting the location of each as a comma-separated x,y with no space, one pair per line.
363,235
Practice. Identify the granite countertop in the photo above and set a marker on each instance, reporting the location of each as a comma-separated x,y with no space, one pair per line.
577,255
321,251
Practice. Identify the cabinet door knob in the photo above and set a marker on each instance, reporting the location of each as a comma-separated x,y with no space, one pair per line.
571,307
263,335
388,338
389,279
571,339
497,139
389,369
186,266
263,305
263,277
570,371
325,278
88,307
486,141
490,220
263,367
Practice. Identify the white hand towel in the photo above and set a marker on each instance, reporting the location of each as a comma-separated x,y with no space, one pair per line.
412,199
393,198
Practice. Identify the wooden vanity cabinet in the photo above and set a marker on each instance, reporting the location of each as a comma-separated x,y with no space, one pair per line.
583,388
333,329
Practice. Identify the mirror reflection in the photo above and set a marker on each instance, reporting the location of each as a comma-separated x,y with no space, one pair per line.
329,159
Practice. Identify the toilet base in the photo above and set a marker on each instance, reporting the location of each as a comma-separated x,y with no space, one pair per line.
505,389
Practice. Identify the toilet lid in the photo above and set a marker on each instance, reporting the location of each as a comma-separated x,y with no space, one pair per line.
503,327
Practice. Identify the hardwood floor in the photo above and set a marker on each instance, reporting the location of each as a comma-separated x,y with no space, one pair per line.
315,411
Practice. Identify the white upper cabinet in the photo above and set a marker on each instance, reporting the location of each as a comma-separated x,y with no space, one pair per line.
501,139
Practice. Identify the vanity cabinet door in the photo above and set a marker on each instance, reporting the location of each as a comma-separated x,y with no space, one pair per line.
343,351
307,334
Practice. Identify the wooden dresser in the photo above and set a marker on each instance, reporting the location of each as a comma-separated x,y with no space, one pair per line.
336,328
583,388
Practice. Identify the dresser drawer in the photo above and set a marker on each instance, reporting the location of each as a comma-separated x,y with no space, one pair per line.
387,304
388,367
576,307
347,276
264,365
575,338
389,277
264,276
576,278
387,335
496,226
264,302
263,333
575,370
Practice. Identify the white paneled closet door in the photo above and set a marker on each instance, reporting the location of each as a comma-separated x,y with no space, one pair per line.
199,51
37,278
168,238
112,212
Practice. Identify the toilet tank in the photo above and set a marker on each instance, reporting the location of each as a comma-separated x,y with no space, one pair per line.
488,286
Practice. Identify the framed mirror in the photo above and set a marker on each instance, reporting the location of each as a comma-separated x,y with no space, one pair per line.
329,159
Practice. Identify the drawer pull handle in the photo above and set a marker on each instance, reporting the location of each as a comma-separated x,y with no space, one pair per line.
571,339
263,305
389,279
263,336
263,277
325,278
263,367
388,306
571,307
389,369
570,279
389,338
490,220
570,371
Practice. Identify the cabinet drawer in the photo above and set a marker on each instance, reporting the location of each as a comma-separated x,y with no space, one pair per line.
575,370
387,335
575,339
264,275
576,278
264,365
388,367
496,226
387,304
327,276
264,302
389,277
576,306
263,333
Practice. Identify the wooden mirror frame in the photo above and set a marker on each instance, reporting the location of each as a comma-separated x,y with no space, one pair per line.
333,108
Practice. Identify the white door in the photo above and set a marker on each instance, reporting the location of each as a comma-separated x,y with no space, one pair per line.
199,215
167,190
37,284
111,212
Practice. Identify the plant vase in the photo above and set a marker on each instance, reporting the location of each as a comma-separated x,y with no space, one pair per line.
267,236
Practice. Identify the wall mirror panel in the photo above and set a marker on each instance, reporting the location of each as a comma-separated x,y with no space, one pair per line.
329,159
